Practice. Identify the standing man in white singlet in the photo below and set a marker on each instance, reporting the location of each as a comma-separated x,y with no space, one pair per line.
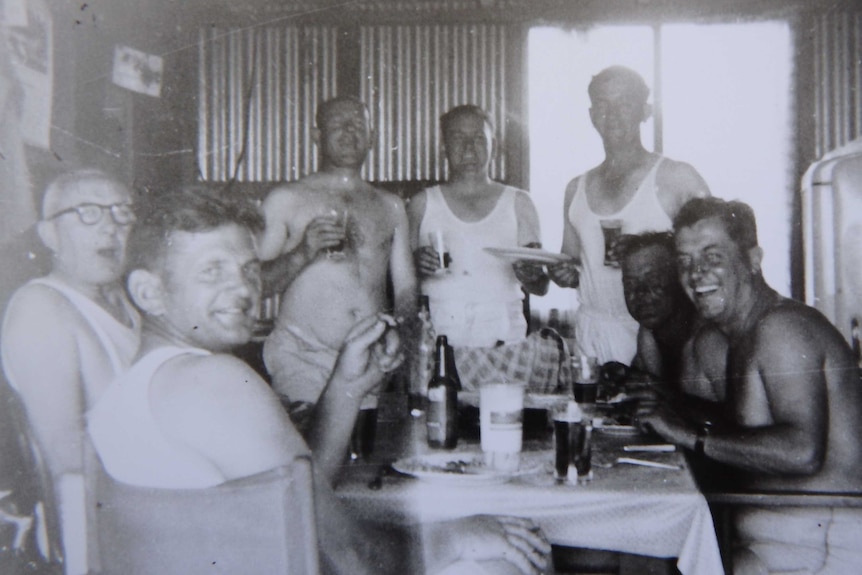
641,190
68,334
479,301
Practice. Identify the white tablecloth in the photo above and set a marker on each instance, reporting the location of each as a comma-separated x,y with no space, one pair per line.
640,510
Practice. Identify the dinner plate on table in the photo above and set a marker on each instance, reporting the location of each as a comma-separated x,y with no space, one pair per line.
460,468
532,255
531,400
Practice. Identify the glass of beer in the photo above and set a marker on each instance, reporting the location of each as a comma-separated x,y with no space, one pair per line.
585,380
341,216
611,230
437,241
364,430
572,444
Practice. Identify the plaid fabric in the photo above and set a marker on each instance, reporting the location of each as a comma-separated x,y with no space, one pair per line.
539,362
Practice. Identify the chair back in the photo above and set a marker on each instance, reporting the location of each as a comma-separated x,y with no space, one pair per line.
262,524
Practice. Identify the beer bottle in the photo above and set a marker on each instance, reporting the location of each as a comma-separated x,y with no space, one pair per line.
441,417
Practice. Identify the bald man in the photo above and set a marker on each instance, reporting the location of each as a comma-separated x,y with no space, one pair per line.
67,335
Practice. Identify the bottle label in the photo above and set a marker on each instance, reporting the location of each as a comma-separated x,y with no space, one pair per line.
437,394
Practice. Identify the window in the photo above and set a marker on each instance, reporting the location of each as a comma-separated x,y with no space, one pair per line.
722,96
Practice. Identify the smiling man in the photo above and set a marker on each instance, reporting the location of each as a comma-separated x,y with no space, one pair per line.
68,334
189,415
674,345
794,391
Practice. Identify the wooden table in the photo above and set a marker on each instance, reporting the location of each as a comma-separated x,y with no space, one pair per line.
645,511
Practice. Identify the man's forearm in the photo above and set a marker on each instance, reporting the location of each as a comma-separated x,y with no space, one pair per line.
279,273
332,421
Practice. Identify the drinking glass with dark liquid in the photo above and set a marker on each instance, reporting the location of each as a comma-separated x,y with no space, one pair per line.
585,376
611,230
364,430
572,444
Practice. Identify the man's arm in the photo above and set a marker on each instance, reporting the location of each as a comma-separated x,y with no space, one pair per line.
531,276
223,410
786,375
40,357
283,255
566,274
371,349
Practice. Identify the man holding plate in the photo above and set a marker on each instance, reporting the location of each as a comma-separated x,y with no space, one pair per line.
476,297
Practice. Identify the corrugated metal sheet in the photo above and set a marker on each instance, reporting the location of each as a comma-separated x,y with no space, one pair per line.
410,75
258,91
838,73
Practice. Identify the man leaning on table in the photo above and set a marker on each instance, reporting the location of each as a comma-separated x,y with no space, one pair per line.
210,418
794,391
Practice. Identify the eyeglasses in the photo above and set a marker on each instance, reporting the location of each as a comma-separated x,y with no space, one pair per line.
91,214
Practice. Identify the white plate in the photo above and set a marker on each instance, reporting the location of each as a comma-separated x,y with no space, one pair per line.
459,468
626,430
533,255
531,400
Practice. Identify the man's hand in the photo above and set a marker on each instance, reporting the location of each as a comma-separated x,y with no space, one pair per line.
661,420
565,274
321,233
512,539
532,276
370,350
427,261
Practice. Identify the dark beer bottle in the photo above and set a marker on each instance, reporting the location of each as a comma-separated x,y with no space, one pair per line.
442,411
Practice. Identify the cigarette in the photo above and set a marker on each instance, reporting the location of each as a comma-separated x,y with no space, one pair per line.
645,463
660,448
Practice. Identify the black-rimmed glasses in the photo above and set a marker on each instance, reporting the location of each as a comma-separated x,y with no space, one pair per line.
91,214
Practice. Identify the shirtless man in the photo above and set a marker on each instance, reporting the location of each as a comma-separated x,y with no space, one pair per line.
479,301
672,338
210,418
640,189
68,334
794,391
331,274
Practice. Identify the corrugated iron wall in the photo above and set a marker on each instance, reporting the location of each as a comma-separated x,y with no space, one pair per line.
258,91
412,74
838,73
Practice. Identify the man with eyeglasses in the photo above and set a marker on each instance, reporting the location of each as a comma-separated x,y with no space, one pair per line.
67,335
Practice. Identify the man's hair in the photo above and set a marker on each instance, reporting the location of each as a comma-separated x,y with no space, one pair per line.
737,218
194,208
636,84
66,181
630,244
325,108
449,117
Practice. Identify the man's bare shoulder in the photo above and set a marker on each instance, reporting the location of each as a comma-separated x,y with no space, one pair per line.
681,178
285,194
789,320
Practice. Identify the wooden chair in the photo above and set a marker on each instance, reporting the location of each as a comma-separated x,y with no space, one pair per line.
262,524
